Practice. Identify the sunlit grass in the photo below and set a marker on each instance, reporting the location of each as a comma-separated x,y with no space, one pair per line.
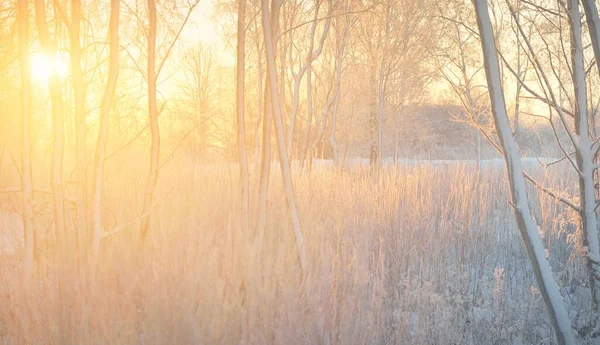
402,257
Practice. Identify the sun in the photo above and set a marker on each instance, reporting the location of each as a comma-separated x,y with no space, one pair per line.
43,66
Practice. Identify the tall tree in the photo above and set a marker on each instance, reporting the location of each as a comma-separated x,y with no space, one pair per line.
305,67
79,95
265,165
584,153
153,71
26,171
525,222
105,107
283,155
575,123
56,96
241,124
591,239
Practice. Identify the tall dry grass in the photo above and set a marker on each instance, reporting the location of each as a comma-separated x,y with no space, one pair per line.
413,255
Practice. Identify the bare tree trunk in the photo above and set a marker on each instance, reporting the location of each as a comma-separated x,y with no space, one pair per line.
338,85
381,96
265,169
373,116
593,22
26,173
241,125
109,91
306,66
56,178
259,98
584,155
527,225
309,116
283,156
80,137
591,235
55,89
153,113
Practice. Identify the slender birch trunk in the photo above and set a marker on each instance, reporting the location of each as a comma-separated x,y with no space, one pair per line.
259,98
55,89
338,85
373,116
153,114
283,156
309,115
80,129
591,234
312,55
381,103
241,126
26,170
525,221
593,22
109,91
265,169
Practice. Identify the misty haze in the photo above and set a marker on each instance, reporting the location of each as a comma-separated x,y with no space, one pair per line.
281,172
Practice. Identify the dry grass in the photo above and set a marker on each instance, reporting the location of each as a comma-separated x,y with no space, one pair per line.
419,255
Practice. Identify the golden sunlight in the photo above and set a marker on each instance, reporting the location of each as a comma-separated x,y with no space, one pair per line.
348,172
44,66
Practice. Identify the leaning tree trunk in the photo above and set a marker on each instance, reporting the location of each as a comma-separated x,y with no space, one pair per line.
153,113
241,126
26,171
525,221
109,91
283,156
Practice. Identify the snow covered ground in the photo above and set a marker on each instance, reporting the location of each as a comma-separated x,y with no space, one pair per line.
528,162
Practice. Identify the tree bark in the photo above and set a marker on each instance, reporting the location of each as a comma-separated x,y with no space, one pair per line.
80,129
525,222
338,85
305,67
241,125
26,170
586,180
109,91
265,169
373,115
154,128
55,89
283,156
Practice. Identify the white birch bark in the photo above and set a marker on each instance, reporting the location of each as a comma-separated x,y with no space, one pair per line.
588,154
80,129
311,56
113,73
153,114
265,168
55,89
26,170
241,123
283,156
525,221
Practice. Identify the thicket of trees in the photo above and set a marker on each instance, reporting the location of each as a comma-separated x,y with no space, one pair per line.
311,79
